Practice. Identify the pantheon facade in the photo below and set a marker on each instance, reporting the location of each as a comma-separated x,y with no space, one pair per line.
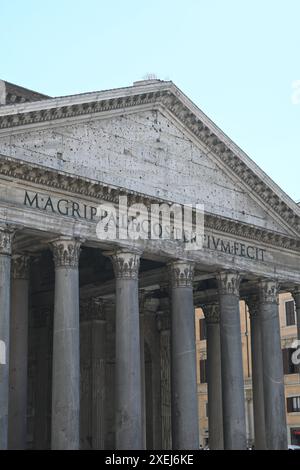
97,336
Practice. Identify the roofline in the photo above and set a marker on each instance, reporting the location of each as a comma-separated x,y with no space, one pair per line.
204,128
114,93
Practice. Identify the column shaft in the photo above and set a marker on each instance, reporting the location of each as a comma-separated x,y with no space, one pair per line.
214,377
66,369
98,381
185,433
85,376
17,418
43,326
143,377
234,422
128,365
5,266
165,380
273,377
257,374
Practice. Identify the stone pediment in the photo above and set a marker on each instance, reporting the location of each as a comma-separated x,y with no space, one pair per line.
152,140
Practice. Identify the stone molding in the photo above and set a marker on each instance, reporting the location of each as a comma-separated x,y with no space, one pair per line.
66,252
229,283
211,313
181,273
171,101
126,264
20,266
82,186
6,238
268,291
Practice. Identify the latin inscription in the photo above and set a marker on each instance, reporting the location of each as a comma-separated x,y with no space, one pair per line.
83,211
60,206
234,248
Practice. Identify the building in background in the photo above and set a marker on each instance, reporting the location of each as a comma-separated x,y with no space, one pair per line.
292,377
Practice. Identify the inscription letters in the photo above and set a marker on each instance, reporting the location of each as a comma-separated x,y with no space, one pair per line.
83,211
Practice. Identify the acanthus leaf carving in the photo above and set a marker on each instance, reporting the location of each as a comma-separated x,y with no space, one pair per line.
268,291
66,252
229,283
182,273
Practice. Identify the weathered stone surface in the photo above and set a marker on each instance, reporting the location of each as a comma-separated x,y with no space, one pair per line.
125,150
5,265
257,373
17,411
66,368
273,378
234,424
185,433
214,377
128,364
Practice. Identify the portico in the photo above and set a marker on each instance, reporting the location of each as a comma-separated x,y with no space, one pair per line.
105,328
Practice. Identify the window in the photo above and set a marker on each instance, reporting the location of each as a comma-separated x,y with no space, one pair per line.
288,366
203,379
202,326
293,404
290,313
295,436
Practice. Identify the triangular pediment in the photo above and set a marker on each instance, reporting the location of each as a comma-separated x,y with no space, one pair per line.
149,150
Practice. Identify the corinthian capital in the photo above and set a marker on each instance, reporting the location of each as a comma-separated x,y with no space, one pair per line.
268,291
66,252
182,273
252,301
6,238
211,312
20,266
229,283
126,264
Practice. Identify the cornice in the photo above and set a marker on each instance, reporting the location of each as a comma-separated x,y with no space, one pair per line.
74,185
251,232
168,95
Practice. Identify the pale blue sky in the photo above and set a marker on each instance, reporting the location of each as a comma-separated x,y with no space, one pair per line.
236,59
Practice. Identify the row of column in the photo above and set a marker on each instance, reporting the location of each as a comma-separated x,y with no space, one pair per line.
66,365
226,408
225,368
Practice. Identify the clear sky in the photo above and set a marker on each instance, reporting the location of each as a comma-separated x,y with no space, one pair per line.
236,59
